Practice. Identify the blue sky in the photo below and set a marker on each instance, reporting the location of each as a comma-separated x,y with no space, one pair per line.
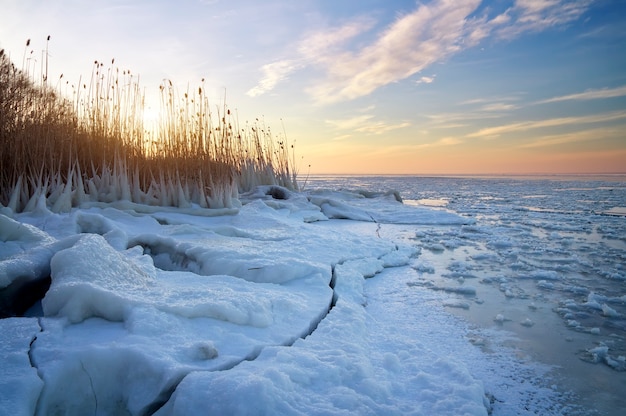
466,86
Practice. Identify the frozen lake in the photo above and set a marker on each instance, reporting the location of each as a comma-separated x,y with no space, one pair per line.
544,261
475,296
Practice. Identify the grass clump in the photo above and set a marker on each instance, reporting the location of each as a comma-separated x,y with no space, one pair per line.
65,144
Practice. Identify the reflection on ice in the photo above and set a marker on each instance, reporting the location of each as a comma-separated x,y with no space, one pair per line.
429,202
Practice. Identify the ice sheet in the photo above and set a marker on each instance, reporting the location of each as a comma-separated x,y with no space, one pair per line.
293,304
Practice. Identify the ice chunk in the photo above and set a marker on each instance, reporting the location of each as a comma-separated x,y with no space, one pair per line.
600,354
608,311
19,232
543,275
424,267
380,207
500,318
456,303
32,263
25,276
16,239
279,198
93,279
399,257
464,290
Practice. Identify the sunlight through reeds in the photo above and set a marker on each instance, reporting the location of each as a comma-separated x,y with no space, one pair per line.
64,144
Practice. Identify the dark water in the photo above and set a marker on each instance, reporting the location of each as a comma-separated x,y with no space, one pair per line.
545,259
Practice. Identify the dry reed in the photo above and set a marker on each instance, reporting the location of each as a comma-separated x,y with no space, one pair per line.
65,145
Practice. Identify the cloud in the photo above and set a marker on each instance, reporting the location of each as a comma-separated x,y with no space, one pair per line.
574,137
539,15
409,45
589,95
448,141
353,65
272,74
461,119
426,80
350,123
412,148
366,124
324,45
380,127
499,107
341,137
492,132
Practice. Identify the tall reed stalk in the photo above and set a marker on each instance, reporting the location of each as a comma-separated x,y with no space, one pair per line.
65,145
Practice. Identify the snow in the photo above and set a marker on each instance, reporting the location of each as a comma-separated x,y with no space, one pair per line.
19,384
292,303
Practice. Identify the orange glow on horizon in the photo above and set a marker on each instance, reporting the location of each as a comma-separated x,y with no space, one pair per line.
467,163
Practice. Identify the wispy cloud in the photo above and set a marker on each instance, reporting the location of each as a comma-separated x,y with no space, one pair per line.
413,42
272,74
409,45
426,80
499,107
589,95
351,123
455,120
366,124
574,137
483,109
494,132
324,45
341,137
412,148
380,127
539,15
447,141
492,100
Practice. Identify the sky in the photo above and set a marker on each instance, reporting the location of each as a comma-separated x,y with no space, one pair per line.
370,86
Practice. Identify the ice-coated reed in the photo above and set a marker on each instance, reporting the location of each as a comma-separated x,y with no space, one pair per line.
64,144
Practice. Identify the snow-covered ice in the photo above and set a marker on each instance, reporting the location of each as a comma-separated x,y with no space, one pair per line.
327,301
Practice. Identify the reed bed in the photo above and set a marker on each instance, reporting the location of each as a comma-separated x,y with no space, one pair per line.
64,144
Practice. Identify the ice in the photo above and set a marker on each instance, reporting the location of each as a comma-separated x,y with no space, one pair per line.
379,207
25,264
17,236
608,311
618,211
20,385
93,279
107,284
600,354
527,322
352,364
246,281
320,302
500,318
456,303
19,257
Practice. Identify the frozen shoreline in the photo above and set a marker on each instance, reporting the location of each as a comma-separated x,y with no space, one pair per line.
164,312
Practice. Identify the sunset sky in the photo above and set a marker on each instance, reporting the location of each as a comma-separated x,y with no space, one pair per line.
371,86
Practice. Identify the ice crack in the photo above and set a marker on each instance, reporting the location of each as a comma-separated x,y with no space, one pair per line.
165,396
93,390
33,363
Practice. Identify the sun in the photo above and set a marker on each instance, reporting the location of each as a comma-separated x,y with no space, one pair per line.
151,116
